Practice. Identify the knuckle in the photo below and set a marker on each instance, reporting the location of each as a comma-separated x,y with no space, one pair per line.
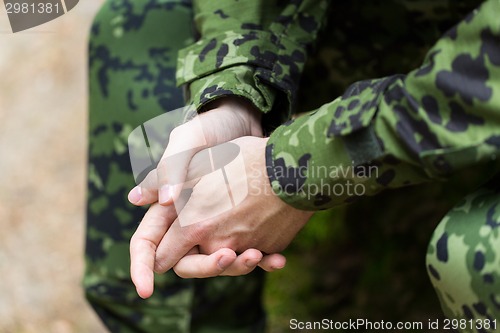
198,232
134,240
155,224
139,243
160,267
244,270
178,132
149,186
162,165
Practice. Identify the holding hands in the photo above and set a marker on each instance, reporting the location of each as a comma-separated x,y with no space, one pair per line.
216,223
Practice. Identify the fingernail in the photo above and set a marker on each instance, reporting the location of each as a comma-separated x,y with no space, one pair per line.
165,194
135,195
251,263
225,262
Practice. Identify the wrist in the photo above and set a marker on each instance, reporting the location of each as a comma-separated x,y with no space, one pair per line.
249,116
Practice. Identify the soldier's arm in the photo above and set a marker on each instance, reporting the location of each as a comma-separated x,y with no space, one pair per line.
398,130
254,49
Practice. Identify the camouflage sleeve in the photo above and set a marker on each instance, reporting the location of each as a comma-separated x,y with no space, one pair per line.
398,130
251,48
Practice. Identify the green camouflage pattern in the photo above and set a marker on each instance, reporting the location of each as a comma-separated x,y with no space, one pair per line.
469,289
414,128
374,264
411,137
132,57
257,50
439,118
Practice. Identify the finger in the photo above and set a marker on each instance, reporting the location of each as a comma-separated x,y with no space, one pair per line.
142,271
224,263
184,142
244,263
272,262
174,245
221,262
198,265
146,192
143,245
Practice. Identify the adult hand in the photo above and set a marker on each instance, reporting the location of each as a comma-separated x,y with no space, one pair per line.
229,118
261,221
145,240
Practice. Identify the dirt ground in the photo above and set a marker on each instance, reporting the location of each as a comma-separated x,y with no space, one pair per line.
42,175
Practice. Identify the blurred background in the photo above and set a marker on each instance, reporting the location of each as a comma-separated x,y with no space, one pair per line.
42,174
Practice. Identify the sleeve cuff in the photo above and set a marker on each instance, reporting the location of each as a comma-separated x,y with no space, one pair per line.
258,65
237,80
338,153
305,181
260,49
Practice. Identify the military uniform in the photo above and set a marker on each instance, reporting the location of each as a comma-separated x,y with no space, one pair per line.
389,132
132,79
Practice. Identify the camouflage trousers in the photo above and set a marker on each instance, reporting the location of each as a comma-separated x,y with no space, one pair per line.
463,261
132,55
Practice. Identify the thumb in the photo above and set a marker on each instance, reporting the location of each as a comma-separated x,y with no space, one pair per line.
184,142
146,192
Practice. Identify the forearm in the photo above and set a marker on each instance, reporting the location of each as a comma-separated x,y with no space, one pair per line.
255,49
401,130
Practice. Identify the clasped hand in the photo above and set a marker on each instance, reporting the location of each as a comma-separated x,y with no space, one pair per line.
229,222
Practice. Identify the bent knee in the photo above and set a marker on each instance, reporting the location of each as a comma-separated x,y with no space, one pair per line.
463,258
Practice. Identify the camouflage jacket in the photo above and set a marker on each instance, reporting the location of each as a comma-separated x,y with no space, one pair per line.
381,133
